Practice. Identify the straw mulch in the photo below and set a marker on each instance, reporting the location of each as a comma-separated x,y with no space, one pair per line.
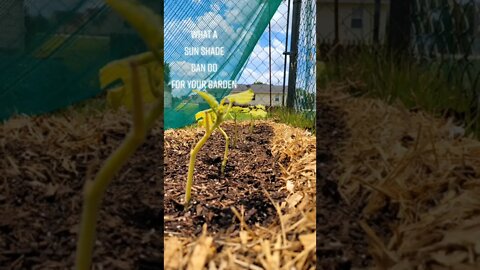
44,162
288,243
417,180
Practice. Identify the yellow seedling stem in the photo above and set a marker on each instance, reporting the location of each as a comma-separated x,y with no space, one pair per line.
94,191
251,123
193,157
225,155
235,134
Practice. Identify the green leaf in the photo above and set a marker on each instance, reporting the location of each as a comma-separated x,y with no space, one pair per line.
242,97
258,113
236,109
208,98
261,107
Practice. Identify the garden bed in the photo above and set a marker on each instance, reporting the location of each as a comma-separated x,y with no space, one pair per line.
273,167
44,164
397,189
250,172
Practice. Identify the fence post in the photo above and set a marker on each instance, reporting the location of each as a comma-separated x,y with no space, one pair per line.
376,22
292,74
399,34
336,42
286,53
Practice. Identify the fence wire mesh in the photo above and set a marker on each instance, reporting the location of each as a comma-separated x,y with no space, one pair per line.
51,51
305,84
264,70
269,69
233,28
448,32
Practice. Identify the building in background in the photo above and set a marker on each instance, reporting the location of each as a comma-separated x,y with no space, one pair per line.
262,93
12,25
355,22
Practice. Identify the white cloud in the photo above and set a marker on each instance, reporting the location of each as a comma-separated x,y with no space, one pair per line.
279,19
260,56
251,75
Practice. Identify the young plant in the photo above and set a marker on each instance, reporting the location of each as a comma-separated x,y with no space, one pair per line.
235,112
211,119
149,26
256,112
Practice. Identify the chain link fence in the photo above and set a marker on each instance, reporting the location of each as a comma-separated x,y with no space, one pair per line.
442,37
269,69
51,51
305,57
448,33
265,69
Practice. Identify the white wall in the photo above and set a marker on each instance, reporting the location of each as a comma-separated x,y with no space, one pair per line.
264,99
346,32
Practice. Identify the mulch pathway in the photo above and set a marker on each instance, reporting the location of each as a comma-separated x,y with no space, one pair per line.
341,242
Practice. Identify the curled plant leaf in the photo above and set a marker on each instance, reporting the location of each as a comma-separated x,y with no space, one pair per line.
241,98
206,121
212,102
260,107
234,112
135,81
120,71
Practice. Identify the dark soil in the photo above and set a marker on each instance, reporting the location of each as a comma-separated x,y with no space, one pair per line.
341,242
40,212
250,170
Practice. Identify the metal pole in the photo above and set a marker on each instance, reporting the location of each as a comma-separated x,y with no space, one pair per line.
286,53
336,18
292,76
399,26
337,39
270,59
376,23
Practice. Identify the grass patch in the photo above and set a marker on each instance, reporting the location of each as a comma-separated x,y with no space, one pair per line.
304,120
439,88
